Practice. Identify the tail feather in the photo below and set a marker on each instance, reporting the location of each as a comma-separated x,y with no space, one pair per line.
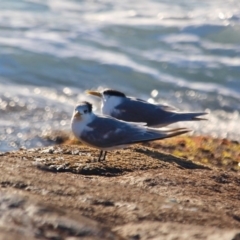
161,134
177,117
167,130
176,133
198,119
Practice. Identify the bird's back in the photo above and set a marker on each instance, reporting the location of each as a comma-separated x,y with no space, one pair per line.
137,110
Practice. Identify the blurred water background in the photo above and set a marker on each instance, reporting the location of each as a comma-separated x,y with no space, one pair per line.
182,52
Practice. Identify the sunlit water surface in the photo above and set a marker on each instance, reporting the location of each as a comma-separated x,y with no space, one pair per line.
184,53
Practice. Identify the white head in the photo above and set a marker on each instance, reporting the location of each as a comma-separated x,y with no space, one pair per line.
110,93
110,99
107,94
82,112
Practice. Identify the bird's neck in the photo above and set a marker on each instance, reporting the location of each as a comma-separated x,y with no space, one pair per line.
108,104
78,125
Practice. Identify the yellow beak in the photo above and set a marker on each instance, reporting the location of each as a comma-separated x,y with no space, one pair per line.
77,114
95,93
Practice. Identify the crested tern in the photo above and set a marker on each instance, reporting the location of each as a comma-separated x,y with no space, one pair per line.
116,104
107,133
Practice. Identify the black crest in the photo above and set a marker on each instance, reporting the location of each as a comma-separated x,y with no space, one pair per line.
112,92
89,105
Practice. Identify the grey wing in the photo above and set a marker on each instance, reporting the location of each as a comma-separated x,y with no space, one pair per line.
137,110
106,132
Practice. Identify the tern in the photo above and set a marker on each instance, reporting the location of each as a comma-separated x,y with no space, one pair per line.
106,133
116,104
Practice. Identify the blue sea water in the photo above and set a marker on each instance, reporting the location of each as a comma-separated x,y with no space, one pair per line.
183,53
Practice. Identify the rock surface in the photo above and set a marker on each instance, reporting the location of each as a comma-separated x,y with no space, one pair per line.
62,192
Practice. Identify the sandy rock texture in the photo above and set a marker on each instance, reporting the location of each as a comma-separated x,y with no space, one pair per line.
62,192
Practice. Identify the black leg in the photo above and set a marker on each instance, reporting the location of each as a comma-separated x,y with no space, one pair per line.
100,155
105,154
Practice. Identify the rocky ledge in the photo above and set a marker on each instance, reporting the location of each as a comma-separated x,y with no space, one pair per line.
62,192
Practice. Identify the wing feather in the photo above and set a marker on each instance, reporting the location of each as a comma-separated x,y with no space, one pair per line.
108,133
133,110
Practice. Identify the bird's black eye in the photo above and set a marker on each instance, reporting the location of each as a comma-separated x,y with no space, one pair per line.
85,111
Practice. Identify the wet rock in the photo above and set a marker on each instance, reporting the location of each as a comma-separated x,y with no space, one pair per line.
152,230
63,192
21,218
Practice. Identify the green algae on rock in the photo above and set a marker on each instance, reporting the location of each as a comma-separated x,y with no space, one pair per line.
209,151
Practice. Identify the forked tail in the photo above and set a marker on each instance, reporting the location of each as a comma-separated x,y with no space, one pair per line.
178,117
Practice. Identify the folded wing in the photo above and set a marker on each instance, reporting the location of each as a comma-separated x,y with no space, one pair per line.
105,132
